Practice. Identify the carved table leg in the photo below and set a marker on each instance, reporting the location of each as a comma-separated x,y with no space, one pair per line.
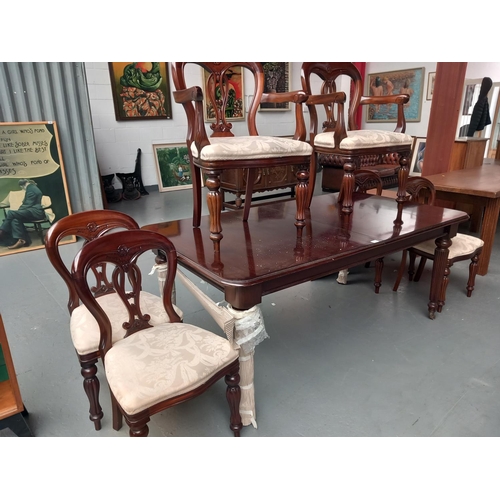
214,202
443,244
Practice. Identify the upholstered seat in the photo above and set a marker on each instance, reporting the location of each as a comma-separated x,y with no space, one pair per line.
363,139
153,367
162,362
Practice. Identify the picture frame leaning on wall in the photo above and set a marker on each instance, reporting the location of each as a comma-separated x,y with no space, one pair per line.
33,188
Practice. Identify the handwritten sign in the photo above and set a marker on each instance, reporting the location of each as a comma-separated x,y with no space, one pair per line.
28,150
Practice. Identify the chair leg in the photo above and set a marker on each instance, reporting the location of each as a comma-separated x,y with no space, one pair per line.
117,414
411,265
473,267
138,424
379,267
197,207
444,286
233,396
420,269
248,193
400,271
91,387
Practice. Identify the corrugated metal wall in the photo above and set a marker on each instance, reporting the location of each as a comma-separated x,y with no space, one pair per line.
57,91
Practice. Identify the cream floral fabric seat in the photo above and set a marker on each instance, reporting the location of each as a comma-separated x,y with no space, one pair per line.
85,330
357,139
248,147
462,244
162,362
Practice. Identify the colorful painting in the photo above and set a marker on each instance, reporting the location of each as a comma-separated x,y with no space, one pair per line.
141,90
406,81
172,166
235,108
276,80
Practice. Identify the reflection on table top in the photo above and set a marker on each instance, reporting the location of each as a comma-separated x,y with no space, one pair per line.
267,252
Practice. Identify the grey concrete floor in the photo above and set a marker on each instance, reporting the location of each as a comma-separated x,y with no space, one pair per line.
341,361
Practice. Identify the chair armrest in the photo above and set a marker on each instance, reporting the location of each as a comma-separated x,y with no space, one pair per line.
192,100
298,97
335,124
399,99
187,95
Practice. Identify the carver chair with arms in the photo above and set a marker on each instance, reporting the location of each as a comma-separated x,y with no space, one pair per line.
224,150
339,147
84,329
153,367
463,246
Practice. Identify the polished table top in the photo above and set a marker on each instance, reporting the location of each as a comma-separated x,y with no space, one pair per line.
480,181
268,253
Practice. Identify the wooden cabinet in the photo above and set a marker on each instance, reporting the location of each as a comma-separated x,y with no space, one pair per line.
10,397
467,152
266,179
11,404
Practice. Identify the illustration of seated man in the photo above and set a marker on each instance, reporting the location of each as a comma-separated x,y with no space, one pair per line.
21,207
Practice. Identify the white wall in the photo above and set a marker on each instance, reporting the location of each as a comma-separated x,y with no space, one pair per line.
117,141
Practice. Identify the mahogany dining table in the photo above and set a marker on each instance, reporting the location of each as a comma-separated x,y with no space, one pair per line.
269,253
479,187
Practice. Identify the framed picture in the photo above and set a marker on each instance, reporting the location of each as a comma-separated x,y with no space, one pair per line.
172,166
430,85
468,99
141,90
235,109
276,79
31,175
405,81
417,157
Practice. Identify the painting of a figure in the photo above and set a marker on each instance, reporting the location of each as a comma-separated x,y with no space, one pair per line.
407,81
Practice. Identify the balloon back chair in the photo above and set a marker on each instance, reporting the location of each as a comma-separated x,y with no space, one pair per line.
220,102
339,147
463,247
153,367
85,333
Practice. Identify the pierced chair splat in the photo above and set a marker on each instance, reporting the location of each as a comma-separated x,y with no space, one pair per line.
223,150
153,367
339,147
